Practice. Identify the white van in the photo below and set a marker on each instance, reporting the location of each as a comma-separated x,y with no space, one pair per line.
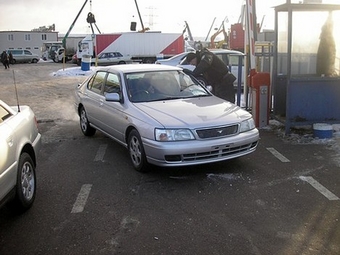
23,56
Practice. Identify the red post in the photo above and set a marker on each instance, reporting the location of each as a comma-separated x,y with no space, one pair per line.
260,84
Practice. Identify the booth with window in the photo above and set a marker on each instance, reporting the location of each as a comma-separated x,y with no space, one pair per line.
306,68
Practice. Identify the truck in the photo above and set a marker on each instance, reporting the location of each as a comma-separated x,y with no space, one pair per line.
144,47
54,50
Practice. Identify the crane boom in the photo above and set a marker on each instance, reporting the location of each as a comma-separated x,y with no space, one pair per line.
187,28
72,25
140,17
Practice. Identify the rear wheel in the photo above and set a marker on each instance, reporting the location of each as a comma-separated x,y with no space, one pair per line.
26,184
137,153
85,124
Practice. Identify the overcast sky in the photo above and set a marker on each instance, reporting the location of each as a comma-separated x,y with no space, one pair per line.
116,15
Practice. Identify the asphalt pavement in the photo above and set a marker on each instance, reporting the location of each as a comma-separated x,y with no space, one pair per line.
281,199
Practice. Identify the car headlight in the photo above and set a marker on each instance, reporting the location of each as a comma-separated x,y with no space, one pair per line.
247,125
167,135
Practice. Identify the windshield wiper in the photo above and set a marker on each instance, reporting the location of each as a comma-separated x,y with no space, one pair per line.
171,98
201,95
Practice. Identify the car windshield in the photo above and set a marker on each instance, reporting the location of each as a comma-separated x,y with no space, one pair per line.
163,85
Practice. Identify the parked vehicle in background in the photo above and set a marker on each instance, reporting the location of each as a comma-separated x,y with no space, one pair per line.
230,57
111,58
163,116
173,61
74,59
20,142
140,47
51,48
59,56
23,56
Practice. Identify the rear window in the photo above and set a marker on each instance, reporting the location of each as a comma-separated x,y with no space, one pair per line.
15,52
234,59
4,114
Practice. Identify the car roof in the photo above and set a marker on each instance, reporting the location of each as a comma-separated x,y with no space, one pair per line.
131,68
226,51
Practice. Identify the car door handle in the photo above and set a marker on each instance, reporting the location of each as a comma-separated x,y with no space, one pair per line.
10,141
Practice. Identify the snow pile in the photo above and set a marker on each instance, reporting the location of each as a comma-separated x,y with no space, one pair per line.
74,71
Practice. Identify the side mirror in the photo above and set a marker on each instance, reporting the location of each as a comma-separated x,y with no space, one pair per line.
114,97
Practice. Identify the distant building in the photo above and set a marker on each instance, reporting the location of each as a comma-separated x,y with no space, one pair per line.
29,40
36,41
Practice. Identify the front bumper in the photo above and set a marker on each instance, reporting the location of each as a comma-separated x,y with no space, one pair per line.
185,153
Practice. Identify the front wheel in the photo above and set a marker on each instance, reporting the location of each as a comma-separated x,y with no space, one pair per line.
26,184
136,151
85,124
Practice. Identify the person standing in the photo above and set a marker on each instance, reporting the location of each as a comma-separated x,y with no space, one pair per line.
4,59
215,72
10,58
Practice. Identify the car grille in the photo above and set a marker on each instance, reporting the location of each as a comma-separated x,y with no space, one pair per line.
217,132
225,152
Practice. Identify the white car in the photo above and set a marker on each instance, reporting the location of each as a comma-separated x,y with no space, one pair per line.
230,57
174,60
163,116
20,142
111,58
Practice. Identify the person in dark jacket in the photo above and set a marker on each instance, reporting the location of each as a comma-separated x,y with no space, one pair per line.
10,58
4,59
215,72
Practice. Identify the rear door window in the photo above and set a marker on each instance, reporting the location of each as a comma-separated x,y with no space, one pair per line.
97,82
4,114
16,52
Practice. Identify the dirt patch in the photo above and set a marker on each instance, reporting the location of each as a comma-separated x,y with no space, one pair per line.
50,97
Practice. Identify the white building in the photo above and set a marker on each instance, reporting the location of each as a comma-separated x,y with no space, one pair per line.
28,40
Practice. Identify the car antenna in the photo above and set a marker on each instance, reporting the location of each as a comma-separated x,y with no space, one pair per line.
16,91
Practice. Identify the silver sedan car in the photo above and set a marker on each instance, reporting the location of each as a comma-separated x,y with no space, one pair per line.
112,58
163,116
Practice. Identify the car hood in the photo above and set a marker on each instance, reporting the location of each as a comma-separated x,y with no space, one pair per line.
194,112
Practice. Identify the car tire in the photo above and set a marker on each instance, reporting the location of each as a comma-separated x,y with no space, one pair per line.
26,185
34,60
136,151
85,124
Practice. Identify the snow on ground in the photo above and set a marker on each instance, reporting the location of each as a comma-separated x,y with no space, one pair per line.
74,71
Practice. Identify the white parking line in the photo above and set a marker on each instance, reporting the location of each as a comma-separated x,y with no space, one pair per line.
278,155
82,198
319,187
101,152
